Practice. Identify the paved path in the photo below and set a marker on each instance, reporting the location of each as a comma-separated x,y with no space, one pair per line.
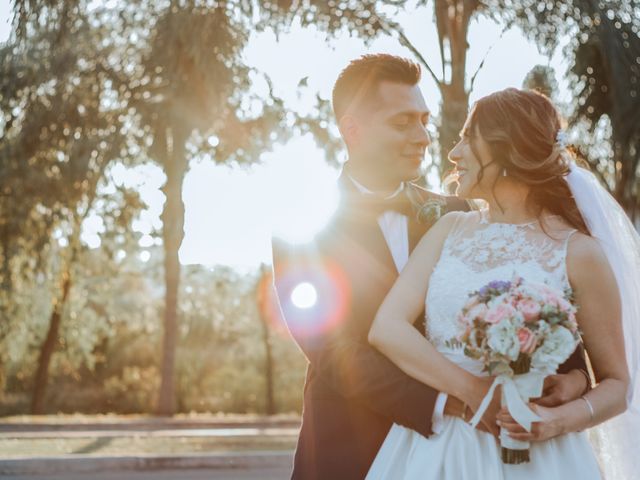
249,465
200,474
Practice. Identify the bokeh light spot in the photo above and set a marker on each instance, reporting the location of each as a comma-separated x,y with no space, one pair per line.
304,295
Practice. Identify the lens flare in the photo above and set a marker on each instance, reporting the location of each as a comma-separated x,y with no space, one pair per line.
313,297
304,295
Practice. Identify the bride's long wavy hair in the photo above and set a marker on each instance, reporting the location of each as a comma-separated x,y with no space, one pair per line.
521,128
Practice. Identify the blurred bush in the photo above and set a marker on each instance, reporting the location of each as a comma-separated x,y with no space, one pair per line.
108,355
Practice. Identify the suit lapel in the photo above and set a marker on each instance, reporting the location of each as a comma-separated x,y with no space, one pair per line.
362,227
365,230
372,239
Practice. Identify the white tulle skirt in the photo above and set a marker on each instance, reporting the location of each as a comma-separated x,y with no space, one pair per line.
461,452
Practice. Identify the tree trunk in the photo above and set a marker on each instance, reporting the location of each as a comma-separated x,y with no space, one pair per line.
264,283
6,288
268,367
454,110
173,233
453,29
48,347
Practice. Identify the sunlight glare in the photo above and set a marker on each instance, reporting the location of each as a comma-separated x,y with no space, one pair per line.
304,295
231,213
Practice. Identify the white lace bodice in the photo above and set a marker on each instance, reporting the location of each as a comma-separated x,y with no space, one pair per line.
478,251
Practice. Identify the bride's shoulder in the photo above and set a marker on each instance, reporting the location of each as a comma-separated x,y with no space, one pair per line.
449,219
581,244
453,221
585,255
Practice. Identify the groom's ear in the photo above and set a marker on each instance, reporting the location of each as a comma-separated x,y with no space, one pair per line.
349,130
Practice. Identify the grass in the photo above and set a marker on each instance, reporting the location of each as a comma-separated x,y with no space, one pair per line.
114,418
139,445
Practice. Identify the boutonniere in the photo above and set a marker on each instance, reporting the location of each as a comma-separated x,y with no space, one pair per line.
431,211
427,211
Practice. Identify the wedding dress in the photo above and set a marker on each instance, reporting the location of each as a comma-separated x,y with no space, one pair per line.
476,252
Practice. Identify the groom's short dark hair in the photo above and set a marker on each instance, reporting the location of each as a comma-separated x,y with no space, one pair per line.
359,81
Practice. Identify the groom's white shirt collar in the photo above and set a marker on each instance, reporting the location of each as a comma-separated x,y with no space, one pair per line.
366,191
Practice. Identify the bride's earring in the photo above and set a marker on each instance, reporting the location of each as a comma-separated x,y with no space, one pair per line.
504,172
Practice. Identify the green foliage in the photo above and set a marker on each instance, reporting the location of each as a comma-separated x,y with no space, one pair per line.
109,353
604,53
541,79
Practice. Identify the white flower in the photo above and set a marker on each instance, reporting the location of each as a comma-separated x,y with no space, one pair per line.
557,346
544,329
562,139
503,338
482,256
495,301
528,291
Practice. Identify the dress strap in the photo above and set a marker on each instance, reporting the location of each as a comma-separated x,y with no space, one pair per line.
565,249
457,226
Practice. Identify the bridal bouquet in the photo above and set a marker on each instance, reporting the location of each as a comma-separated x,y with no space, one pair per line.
521,331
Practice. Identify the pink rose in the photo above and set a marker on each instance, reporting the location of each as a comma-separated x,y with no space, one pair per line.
549,296
527,341
530,310
499,312
564,305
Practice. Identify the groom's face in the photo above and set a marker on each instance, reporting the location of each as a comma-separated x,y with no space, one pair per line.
393,135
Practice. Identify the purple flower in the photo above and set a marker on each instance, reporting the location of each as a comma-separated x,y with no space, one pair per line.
499,285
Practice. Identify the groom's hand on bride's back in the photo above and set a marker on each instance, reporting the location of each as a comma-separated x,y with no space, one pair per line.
562,388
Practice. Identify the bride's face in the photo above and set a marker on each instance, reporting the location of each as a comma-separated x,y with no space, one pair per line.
474,171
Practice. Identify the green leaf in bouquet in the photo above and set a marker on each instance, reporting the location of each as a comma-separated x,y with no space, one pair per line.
570,295
472,353
547,311
554,320
499,368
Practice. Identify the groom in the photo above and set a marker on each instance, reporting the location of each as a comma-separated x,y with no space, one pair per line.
353,393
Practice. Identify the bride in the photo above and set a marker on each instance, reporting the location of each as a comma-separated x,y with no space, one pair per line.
547,221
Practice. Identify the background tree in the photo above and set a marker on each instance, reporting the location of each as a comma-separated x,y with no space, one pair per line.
62,129
603,50
606,81
198,92
542,79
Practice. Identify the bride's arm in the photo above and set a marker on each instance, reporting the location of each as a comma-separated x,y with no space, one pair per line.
393,334
600,319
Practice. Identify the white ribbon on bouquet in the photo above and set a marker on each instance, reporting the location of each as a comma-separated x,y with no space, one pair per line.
516,392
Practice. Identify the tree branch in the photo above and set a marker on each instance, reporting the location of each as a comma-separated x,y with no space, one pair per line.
484,58
407,43
440,18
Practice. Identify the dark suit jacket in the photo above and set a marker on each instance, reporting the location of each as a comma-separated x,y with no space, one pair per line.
353,393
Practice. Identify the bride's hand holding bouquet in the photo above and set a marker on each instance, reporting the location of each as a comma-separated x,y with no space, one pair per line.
521,332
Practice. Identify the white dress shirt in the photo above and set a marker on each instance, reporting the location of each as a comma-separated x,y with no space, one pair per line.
395,229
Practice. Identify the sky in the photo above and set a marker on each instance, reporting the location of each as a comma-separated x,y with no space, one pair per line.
232,212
